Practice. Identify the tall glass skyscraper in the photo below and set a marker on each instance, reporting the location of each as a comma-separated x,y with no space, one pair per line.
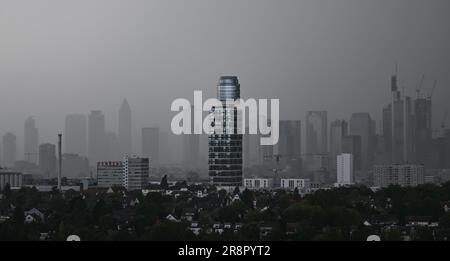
225,149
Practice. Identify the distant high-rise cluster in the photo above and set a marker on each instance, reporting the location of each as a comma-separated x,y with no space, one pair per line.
352,148
47,160
150,144
362,125
398,127
338,134
75,134
96,136
317,132
9,150
342,151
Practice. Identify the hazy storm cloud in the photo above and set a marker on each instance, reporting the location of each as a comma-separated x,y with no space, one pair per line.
59,56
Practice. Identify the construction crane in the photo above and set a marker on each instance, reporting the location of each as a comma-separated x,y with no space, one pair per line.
432,90
420,86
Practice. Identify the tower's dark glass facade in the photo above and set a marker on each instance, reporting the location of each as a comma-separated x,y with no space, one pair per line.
225,149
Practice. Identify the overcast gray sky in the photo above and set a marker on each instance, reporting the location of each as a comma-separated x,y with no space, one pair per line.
73,56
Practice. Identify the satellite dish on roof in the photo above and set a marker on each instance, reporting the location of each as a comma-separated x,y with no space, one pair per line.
73,238
373,238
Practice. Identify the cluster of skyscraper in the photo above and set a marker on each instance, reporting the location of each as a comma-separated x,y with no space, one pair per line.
405,140
405,137
83,139
86,142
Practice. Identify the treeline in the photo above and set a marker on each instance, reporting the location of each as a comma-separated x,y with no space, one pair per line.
336,214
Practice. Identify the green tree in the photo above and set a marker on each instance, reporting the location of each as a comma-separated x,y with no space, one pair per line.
164,184
444,221
250,231
247,197
392,235
7,191
100,209
18,216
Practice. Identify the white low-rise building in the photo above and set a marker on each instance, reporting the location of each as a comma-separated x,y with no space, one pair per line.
292,184
14,179
258,183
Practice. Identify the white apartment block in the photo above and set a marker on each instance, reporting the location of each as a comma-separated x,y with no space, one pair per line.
258,183
291,184
344,167
14,179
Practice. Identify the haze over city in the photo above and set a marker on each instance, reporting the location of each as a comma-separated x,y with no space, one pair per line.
120,121
62,57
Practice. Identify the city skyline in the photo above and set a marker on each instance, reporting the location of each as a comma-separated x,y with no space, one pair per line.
312,67
77,128
252,121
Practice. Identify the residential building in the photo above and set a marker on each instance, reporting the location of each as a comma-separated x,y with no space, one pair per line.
258,183
136,173
14,179
345,169
398,174
110,174
292,184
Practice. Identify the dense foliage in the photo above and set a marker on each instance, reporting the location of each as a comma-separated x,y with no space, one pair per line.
336,214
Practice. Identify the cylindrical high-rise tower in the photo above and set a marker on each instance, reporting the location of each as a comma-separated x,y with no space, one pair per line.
225,149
